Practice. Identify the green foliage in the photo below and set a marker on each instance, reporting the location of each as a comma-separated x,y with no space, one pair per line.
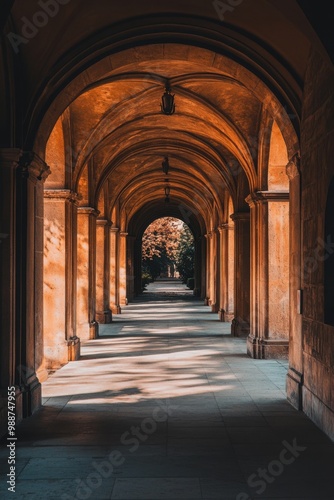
186,255
168,242
146,278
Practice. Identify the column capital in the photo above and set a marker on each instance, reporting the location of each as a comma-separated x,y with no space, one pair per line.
293,167
88,211
103,222
266,196
123,233
62,194
243,216
225,227
114,229
33,167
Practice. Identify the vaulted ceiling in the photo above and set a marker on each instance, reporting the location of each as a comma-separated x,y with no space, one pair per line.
99,69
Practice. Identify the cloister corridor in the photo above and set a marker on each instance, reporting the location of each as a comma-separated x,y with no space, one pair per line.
166,405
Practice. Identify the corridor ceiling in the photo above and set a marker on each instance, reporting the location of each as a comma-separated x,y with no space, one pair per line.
97,72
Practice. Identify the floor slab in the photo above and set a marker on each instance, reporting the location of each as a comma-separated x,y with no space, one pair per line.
166,405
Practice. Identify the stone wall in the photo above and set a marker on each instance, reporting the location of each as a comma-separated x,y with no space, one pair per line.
317,170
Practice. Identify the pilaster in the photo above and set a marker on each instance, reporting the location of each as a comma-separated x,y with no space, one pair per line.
61,343
269,275
240,322
103,312
87,327
31,173
114,271
123,268
294,383
225,311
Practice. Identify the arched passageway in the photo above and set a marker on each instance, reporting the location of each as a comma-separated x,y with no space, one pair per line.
226,148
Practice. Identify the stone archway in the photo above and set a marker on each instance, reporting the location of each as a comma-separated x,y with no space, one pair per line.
105,152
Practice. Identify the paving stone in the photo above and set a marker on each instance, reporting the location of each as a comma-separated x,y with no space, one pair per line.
169,393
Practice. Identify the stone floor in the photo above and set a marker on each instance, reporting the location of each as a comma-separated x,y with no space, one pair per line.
165,405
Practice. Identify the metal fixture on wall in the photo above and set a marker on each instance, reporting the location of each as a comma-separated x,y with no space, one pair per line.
167,101
165,165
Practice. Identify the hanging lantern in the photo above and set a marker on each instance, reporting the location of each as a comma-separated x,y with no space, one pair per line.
165,165
167,101
167,193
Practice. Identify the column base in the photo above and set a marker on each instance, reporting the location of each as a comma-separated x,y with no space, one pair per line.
214,308
93,330
42,374
206,301
225,316
31,398
294,388
104,317
116,309
239,328
258,348
73,348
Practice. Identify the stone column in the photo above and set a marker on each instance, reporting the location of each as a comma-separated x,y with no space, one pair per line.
31,173
295,373
86,273
203,265
214,271
225,311
61,343
198,266
103,312
259,315
130,267
114,271
268,337
122,269
240,322
207,269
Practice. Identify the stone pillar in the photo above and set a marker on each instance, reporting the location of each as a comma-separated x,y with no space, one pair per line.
9,159
207,269
294,382
203,265
103,312
86,273
61,343
214,271
225,311
31,173
268,337
198,266
114,271
130,267
122,269
240,322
